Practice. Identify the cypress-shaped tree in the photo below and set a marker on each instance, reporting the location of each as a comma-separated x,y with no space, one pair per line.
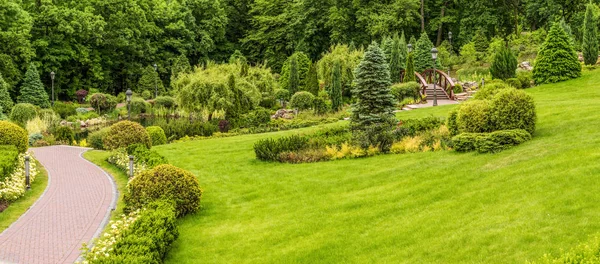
557,59
312,80
6,102
149,80
422,53
374,101
395,61
590,37
336,87
403,51
294,80
504,65
386,46
352,46
481,41
412,41
32,89
409,75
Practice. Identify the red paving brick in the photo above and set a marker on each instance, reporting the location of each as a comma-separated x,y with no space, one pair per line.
74,207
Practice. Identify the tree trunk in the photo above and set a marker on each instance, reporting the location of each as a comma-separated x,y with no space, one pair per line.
441,27
422,16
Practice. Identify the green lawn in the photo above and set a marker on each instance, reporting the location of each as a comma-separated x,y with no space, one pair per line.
440,207
99,158
19,207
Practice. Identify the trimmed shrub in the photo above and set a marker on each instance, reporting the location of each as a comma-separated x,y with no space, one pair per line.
165,101
139,106
269,149
302,100
165,182
504,65
32,90
9,155
282,94
21,113
103,103
64,109
126,133
13,135
525,78
157,135
513,109
320,106
474,117
149,158
557,59
64,133
179,128
491,89
96,139
466,142
514,82
500,140
147,95
452,122
415,126
409,90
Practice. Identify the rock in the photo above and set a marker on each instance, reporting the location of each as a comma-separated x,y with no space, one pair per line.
63,123
283,113
526,66
82,124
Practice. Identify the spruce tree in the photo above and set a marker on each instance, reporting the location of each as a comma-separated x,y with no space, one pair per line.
294,79
504,65
312,80
481,41
395,61
149,80
412,41
557,59
409,75
422,53
32,89
590,37
6,102
374,101
336,87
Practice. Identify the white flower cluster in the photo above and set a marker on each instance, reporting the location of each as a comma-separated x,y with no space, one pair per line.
13,186
104,245
120,159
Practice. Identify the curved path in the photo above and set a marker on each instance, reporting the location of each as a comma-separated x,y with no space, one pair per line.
72,210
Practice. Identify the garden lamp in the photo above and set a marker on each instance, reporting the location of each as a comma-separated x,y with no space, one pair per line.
131,166
155,84
52,77
409,48
434,55
27,180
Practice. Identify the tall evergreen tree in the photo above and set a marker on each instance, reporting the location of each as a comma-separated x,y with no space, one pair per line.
557,59
149,80
504,65
409,75
403,51
481,41
374,101
294,80
32,89
395,61
422,53
312,80
590,36
6,102
386,46
180,65
336,86
412,40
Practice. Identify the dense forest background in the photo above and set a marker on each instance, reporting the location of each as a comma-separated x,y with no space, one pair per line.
108,44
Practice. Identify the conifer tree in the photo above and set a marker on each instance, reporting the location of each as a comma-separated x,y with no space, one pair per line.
386,47
403,51
32,89
412,41
336,86
395,61
312,80
180,65
481,41
352,46
409,75
504,65
6,102
422,53
590,37
149,80
294,80
557,59
374,101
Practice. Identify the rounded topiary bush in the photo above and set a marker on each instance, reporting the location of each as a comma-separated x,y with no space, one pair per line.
513,109
409,90
103,102
96,138
157,135
452,122
165,182
64,134
474,117
164,101
139,106
11,134
302,100
125,133
489,90
21,113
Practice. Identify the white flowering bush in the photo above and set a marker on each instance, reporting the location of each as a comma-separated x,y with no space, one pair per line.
120,159
104,245
13,186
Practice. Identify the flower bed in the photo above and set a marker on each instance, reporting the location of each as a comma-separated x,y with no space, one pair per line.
12,187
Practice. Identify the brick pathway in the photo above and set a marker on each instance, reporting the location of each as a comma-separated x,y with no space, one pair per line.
72,210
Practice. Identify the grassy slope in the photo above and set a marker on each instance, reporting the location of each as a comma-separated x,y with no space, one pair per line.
19,207
425,207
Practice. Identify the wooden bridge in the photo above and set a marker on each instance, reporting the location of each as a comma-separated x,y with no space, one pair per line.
445,85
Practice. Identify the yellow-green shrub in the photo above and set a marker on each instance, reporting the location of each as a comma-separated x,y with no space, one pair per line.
126,133
474,117
11,134
157,135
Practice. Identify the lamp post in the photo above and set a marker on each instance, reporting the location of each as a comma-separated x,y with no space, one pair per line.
52,77
131,166
434,53
129,94
27,181
409,48
450,38
155,84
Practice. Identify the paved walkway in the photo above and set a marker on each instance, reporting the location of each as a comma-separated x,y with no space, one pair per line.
72,210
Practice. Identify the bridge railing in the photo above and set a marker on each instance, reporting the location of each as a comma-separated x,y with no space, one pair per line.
420,80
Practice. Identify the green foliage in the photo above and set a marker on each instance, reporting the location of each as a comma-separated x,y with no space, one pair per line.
466,142
165,102
408,90
375,103
474,117
8,160
415,126
13,135
494,142
557,60
458,88
181,65
6,102
139,106
349,61
514,82
96,138
377,135
294,76
64,109
320,105
491,89
513,109
303,64
157,135
583,253
590,36
32,89
422,53
179,128
269,149
469,53
481,41
312,80
125,133
21,113
335,92
147,95
396,60
237,57
504,65
525,78
387,44
409,75
282,94
64,134
302,100
149,81
143,155
103,103
452,122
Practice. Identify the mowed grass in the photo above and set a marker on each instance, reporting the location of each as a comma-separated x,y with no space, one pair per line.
442,207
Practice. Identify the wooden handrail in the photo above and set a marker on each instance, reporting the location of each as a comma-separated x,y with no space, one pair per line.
444,81
420,80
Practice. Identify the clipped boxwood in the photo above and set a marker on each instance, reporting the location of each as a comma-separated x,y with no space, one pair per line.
302,100
157,135
466,142
491,89
513,109
164,101
126,133
11,134
139,106
409,90
474,117
21,113
269,149
165,182
490,142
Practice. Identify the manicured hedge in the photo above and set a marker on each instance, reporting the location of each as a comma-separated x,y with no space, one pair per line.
490,142
11,134
474,117
513,109
64,134
126,133
8,160
269,149
157,135
96,138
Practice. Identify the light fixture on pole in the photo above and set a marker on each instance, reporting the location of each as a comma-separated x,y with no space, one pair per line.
52,77
409,48
128,95
434,55
155,84
131,166
450,38
27,179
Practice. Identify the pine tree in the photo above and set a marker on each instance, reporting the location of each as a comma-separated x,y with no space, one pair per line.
374,101
422,53
312,80
590,37
32,89
409,75
6,102
386,47
395,61
557,59
336,86
504,65
481,41
294,80
403,51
